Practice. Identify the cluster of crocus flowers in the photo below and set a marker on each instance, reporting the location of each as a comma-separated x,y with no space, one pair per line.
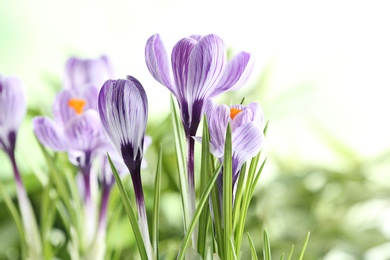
123,109
77,130
199,70
13,108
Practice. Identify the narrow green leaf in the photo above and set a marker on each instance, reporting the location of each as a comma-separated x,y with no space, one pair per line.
205,174
282,256
239,231
291,252
61,188
227,193
267,247
129,210
203,199
156,206
253,248
304,246
242,101
255,181
178,137
14,213
231,244
238,197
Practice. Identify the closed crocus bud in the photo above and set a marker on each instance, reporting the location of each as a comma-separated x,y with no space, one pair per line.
13,108
123,109
83,72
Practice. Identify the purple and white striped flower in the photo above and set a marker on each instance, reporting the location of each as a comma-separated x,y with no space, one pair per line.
13,107
123,109
247,124
199,70
81,73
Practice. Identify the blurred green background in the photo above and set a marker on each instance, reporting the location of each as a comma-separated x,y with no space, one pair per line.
321,76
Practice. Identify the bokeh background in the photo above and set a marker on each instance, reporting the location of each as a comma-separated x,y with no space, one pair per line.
321,75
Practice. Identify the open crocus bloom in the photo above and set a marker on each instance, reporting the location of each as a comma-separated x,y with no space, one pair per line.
76,127
247,131
12,111
199,70
80,73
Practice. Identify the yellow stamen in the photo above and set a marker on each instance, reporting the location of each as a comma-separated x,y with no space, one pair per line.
234,112
77,104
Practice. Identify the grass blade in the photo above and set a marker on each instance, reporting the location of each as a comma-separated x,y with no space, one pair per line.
291,252
304,246
156,206
267,247
178,134
204,198
227,194
130,212
253,249
205,174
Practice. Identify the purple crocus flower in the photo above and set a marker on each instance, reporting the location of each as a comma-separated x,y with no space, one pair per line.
80,73
123,109
76,129
13,107
246,127
198,71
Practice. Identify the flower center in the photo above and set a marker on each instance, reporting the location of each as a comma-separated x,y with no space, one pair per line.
234,112
77,104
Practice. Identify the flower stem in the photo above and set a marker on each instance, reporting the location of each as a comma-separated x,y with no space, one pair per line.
142,217
191,183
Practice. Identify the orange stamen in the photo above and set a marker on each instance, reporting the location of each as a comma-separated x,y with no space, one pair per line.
77,105
234,112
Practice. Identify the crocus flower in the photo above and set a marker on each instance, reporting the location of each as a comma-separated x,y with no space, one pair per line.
12,111
246,129
13,108
76,129
198,71
80,73
123,109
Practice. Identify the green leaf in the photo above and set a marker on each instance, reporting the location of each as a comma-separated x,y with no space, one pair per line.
304,246
252,246
199,208
156,206
15,215
291,253
227,194
267,247
129,210
205,174
178,137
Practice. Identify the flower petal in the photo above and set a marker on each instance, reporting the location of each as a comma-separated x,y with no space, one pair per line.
247,142
180,61
84,132
218,119
123,111
236,74
206,64
251,113
49,133
81,72
156,58
13,105
62,113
